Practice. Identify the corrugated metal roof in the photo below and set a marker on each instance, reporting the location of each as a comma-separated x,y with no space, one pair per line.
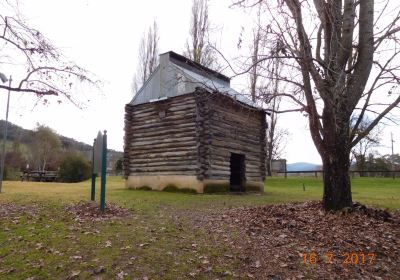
150,90
176,78
215,85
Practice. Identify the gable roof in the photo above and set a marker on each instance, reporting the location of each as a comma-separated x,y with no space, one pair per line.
195,67
177,75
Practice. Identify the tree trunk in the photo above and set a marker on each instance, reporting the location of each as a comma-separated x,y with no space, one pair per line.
362,165
269,171
335,156
270,147
337,185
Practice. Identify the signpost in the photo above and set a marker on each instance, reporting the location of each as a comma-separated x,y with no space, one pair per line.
103,173
99,166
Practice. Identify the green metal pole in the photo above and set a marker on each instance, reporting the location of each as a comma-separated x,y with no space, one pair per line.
93,192
103,173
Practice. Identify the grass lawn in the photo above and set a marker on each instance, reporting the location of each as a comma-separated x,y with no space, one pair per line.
377,192
40,239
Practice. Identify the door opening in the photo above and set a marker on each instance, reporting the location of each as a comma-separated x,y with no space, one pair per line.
237,178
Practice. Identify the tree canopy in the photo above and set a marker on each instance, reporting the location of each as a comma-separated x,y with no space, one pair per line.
340,60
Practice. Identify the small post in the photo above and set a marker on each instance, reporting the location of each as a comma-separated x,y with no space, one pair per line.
103,173
304,187
285,170
93,192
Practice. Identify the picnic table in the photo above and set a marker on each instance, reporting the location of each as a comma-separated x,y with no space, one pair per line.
39,176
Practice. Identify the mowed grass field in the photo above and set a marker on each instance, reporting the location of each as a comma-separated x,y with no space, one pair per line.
40,239
377,192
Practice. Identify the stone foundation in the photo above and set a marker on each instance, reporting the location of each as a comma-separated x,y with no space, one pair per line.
191,182
160,182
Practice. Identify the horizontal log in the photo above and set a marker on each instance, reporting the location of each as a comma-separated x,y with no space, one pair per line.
222,177
165,154
188,122
238,139
226,148
233,115
223,106
174,106
156,151
133,169
226,175
227,122
166,131
188,118
179,98
220,173
226,158
170,112
155,158
167,147
143,108
162,142
163,163
217,124
181,137
154,116
163,173
249,169
221,113
240,129
236,147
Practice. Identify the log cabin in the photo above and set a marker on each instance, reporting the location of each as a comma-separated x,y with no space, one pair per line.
187,128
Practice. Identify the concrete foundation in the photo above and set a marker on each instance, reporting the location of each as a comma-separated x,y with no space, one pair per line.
160,182
208,186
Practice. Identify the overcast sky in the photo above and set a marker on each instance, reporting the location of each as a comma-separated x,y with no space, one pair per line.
103,36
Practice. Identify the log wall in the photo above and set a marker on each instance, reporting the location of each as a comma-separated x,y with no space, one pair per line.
235,128
195,138
161,145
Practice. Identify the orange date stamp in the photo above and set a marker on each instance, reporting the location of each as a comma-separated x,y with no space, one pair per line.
353,258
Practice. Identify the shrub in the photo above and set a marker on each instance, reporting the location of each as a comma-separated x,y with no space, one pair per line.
170,188
144,188
11,174
216,188
173,188
74,169
187,190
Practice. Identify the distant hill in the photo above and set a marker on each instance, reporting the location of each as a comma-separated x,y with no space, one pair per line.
26,136
303,166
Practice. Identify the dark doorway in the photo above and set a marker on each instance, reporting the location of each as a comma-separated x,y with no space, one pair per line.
238,168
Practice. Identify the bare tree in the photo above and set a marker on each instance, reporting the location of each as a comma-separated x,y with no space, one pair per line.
276,136
148,57
345,57
264,85
46,147
47,72
198,47
364,147
257,45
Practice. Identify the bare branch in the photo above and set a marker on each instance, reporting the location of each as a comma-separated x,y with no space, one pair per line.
148,57
376,121
48,72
